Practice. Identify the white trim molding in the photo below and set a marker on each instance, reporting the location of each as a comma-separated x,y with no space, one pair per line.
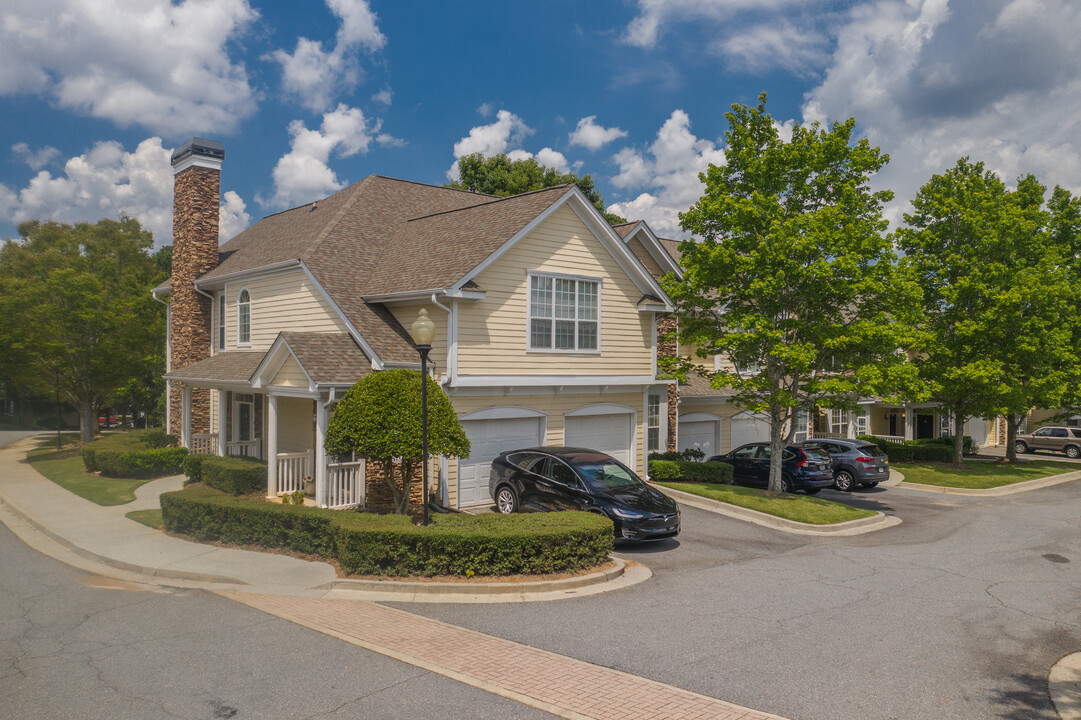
602,409
551,380
505,412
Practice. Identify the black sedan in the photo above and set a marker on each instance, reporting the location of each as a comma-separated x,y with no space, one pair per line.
806,469
561,478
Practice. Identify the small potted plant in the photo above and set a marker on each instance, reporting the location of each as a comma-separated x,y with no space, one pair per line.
309,485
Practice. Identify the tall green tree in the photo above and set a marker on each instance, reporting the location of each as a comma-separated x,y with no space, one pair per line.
380,419
76,311
791,279
499,175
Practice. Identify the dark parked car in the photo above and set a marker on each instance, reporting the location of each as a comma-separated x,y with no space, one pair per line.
559,478
804,469
855,462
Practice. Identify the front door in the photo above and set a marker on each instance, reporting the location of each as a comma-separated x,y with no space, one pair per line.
925,426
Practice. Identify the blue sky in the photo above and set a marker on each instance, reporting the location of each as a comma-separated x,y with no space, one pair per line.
307,98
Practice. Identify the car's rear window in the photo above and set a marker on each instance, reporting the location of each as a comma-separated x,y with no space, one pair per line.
1076,432
872,450
816,453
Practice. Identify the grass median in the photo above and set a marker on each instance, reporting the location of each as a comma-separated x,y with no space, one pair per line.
981,475
790,506
65,468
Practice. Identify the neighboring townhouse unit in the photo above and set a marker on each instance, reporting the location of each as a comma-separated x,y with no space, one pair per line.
546,324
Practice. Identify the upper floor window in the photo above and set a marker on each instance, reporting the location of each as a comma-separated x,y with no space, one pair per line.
221,321
243,318
563,313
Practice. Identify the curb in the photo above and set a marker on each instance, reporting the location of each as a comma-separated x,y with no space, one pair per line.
112,562
878,521
480,588
1026,486
1064,687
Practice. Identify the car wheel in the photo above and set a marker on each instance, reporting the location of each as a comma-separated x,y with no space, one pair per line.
506,500
1073,452
1020,447
812,491
844,481
786,485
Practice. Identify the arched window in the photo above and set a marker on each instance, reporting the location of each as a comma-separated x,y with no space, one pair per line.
243,318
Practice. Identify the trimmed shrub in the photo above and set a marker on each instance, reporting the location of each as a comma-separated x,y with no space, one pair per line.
968,445
367,544
684,471
932,450
234,475
158,438
131,455
193,467
690,454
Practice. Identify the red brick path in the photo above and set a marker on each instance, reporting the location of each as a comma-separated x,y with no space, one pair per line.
555,683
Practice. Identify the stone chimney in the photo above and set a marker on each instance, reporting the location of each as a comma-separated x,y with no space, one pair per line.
196,191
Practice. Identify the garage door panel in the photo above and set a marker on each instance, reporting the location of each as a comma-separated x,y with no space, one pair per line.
698,434
488,438
609,434
749,429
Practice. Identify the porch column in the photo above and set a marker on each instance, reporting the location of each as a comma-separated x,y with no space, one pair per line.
272,445
185,416
221,423
910,423
852,423
320,453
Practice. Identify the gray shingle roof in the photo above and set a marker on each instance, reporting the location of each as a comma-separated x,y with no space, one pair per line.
329,358
698,386
223,367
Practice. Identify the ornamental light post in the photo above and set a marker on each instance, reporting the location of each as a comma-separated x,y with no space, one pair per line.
423,332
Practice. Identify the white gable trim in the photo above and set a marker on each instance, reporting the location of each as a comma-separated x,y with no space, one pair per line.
654,247
377,362
272,363
577,201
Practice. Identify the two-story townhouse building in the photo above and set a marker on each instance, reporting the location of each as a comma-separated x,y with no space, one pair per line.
546,324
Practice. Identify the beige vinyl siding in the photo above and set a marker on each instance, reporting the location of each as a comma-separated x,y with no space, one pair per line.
406,314
295,417
493,333
691,353
291,375
554,407
289,301
1039,417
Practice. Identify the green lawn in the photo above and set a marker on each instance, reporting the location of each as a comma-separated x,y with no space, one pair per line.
65,468
150,518
980,475
790,506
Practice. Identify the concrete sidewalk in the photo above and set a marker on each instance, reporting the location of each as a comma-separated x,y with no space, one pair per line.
105,535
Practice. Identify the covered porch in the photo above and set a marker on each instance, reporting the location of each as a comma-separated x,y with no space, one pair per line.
275,407
897,423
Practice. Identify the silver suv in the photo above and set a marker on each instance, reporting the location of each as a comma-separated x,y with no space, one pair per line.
1060,439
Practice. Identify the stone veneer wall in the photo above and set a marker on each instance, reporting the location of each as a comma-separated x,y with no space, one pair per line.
195,251
666,347
377,496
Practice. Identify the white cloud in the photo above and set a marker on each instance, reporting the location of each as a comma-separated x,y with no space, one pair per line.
35,159
152,63
930,82
107,181
316,75
497,137
303,175
384,96
653,15
484,109
592,136
668,173
553,159
800,50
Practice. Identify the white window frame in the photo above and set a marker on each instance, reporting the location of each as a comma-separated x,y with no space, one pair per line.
945,423
839,420
862,422
221,321
802,421
529,314
238,400
239,325
653,422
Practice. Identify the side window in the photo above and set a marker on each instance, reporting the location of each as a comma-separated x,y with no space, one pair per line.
533,463
786,455
746,452
1042,432
1059,432
1076,432
764,452
562,474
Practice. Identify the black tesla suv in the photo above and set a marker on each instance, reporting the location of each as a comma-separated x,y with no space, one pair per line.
562,478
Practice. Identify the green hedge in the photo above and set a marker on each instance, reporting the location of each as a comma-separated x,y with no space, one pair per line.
367,544
922,451
130,455
234,475
193,467
683,471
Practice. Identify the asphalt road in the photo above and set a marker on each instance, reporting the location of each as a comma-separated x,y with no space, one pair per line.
957,613
76,645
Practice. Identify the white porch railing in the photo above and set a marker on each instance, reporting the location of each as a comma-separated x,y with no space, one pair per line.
345,485
247,448
292,468
819,434
204,444
892,438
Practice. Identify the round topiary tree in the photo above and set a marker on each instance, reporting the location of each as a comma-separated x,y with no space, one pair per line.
379,418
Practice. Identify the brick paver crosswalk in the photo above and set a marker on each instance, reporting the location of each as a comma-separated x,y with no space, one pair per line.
555,683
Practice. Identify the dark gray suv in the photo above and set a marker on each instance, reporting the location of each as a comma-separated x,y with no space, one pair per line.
855,462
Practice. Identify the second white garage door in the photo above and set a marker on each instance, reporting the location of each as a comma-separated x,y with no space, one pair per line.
608,433
487,439
698,434
748,428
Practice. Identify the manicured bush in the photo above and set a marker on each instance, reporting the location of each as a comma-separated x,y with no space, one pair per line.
136,454
968,445
684,471
367,544
934,450
234,475
691,454
158,438
193,467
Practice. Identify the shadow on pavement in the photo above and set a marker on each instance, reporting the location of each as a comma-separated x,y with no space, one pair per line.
1024,697
646,548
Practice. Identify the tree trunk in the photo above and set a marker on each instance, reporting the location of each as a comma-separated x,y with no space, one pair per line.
776,449
958,440
1013,421
407,482
87,420
388,478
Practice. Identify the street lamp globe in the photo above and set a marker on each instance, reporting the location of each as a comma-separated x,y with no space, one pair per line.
423,329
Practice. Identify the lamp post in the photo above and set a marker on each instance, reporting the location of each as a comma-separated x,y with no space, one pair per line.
423,332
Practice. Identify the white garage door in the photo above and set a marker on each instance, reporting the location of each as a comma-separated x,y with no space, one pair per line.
698,434
748,429
608,433
488,438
